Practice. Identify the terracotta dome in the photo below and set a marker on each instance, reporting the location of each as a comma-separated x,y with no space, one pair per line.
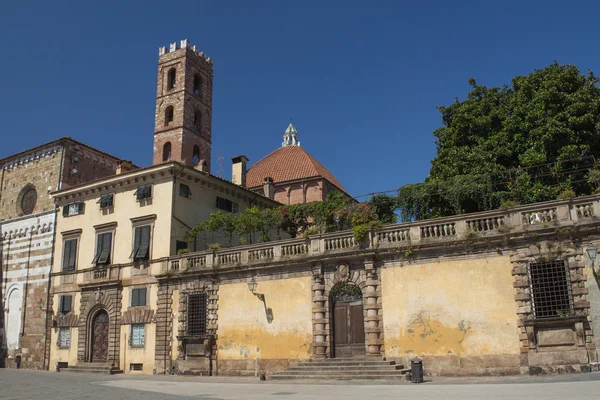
289,163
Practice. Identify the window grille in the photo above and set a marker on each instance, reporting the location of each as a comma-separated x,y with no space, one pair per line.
69,255
138,297
551,289
196,314
143,192
64,337
136,367
106,201
138,337
65,304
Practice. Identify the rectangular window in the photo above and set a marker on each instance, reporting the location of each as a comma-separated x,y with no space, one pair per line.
73,209
69,255
103,249
551,289
106,201
227,205
138,297
143,192
65,304
196,314
180,247
138,337
64,337
184,190
141,243
136,367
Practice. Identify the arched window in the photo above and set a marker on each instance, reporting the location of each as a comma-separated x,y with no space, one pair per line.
197,84
167,151
197,121
196,155
168,115
171,80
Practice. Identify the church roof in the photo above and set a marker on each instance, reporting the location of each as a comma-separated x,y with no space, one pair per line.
289,163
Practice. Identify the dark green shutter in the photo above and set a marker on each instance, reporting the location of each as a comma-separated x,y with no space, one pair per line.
144,233
137,237
80,207
70,255
65,210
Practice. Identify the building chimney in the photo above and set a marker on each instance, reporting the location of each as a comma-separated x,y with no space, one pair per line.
238,170
123,166
269,188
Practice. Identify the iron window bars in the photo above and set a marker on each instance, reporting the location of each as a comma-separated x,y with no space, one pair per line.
196,314
551,291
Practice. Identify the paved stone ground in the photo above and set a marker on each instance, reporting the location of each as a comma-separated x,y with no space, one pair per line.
24,384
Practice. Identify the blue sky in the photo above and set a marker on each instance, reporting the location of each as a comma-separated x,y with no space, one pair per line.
360,79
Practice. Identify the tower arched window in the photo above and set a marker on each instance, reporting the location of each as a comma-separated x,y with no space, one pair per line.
197,121
167,151
197,84
168,115
196,155
171,79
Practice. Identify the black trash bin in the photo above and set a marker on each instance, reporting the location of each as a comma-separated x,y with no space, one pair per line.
416,370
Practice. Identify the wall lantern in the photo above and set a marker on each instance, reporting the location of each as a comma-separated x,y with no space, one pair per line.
252,286
592,252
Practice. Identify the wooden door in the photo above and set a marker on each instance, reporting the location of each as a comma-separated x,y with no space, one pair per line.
349,329
100,337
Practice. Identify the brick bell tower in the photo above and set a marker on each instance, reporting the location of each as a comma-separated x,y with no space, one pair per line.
182,127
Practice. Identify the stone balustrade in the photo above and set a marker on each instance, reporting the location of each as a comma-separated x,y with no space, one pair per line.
459,227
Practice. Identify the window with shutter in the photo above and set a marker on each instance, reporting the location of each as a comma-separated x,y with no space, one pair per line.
106,201
138,297
73,209
141,243
65,304
103,249
143,192
184,190
138,335
69,255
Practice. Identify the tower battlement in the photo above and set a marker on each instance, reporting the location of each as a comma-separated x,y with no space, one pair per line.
183,44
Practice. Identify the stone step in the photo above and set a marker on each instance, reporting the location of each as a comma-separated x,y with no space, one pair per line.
348,364
350,369
345,373
93,369
338,377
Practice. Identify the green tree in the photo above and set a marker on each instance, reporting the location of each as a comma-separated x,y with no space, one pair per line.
523,142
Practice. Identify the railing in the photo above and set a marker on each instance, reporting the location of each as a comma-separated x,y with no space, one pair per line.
485,224
294,249
438,230
229,258
458,227
340,243
393,236
104,273
260,254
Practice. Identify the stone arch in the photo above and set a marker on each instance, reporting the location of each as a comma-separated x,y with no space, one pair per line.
14,303
92,301
325,279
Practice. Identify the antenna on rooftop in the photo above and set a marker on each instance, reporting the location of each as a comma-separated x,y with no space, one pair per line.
220,158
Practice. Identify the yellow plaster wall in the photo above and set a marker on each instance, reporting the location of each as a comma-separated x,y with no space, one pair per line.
244,331
125,208
65,355
450,308
143,355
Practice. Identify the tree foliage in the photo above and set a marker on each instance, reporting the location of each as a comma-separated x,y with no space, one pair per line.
525,142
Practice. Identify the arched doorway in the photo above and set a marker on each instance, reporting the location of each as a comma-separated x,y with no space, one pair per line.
348,321
99,337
